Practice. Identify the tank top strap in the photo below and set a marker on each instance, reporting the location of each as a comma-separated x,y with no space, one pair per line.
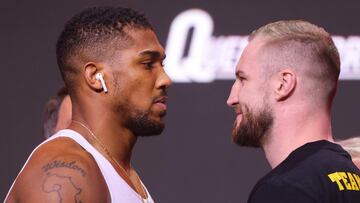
119,190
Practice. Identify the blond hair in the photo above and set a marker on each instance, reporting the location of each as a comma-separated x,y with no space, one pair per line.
305,47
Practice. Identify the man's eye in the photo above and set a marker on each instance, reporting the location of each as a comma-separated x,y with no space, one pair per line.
242,78
149,64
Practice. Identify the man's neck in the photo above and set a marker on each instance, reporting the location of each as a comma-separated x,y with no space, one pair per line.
110,138
291,132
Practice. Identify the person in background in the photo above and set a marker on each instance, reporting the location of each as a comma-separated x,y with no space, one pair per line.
57,113
352,145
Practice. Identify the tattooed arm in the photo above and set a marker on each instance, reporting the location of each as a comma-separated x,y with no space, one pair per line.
55,176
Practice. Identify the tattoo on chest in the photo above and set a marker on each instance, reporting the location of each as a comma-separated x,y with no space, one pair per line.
56,184
63,164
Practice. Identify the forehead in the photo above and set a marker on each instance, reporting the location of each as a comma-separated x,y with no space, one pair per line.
251,58
144,40
139,43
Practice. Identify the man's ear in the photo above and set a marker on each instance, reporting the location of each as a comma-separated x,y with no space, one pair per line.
90,71
285,84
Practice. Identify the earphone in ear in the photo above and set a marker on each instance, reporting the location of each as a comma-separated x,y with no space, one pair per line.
100,77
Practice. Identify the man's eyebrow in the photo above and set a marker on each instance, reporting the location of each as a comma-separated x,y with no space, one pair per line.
154,54
239,73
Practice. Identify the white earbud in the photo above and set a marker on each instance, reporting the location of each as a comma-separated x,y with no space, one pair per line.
100,77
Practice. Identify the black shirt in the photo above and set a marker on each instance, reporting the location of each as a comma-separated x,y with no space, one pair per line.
320,171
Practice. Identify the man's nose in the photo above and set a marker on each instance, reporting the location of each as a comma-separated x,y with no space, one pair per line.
164,80
233,96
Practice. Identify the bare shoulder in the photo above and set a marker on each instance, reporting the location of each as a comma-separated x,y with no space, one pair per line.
60,171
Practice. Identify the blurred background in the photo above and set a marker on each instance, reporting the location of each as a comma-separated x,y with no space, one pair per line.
194,159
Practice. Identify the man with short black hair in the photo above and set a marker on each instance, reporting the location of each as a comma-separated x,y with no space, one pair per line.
112,65
285,84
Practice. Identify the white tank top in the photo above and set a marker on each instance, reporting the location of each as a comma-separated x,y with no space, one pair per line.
120,191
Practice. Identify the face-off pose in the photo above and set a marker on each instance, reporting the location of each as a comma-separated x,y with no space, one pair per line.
285,83
112,65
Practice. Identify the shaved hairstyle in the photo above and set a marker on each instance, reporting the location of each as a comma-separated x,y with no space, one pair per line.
93,35
306,48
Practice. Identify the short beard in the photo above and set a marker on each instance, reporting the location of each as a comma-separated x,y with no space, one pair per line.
253,127
135,120
141,125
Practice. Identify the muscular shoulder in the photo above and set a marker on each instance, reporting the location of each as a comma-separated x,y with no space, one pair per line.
60,171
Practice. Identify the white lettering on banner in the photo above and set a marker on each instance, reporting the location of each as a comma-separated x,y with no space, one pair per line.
349,50
189,68
212,58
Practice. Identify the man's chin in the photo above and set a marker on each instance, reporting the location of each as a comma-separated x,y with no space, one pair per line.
245,140
162,114
153,128
151,134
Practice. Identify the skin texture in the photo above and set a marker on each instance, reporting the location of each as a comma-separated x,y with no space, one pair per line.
64,116
357,162
295,117
39,182
136,84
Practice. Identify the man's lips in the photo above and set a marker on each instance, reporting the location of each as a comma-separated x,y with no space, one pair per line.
162,99
161,102
237,110
238,116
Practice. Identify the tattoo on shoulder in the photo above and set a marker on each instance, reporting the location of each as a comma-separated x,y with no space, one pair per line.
54,183
63,164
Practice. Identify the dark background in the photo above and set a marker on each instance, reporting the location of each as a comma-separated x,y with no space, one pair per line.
194,160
